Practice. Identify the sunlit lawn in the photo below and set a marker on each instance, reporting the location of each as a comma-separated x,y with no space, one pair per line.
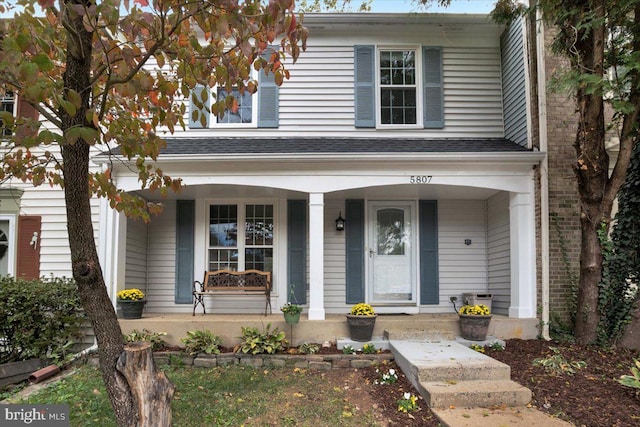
221,396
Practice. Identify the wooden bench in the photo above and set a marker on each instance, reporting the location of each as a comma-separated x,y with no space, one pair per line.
226,282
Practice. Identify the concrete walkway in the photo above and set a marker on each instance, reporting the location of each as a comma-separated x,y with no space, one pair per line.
497,417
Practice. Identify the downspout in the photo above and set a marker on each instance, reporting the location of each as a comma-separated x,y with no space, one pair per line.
544,171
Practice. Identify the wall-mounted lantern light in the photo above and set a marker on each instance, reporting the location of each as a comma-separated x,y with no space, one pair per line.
340,222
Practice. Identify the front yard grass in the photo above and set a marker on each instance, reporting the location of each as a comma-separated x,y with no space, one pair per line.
223,396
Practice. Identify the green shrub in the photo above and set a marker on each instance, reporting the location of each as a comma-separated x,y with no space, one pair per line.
157,343
308,348
557,364
40,318
201,342
256,342
634,379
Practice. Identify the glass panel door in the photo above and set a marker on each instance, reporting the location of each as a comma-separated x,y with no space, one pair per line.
391,266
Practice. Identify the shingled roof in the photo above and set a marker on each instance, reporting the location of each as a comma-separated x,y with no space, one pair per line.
292,145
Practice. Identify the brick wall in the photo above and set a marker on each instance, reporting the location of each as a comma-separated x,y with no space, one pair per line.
564,205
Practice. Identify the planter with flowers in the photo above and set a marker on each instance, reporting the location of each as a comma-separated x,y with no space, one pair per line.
361,321
474,321
131,302
291,312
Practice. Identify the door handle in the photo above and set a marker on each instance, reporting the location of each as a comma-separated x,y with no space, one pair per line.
371,253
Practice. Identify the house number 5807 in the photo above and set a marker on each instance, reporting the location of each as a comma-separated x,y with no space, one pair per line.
420,179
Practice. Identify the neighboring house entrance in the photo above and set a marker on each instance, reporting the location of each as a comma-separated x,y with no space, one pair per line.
4,247
28,263
392,278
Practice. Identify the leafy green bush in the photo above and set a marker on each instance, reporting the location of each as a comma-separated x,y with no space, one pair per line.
557,364
157,343
40,318
202,342
256,342
634,379
308,348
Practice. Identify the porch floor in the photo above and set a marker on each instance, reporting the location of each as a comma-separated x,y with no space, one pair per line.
334,327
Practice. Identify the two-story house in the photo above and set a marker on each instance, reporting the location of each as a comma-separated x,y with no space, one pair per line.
414,129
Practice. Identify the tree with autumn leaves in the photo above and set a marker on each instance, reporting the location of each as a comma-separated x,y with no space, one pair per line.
111,75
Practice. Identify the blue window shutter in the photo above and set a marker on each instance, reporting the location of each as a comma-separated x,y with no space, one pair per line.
354,246
433,92
297,251
268,93
185,224
200,108
429,277
365,86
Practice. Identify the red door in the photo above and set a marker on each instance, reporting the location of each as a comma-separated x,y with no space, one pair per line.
28,259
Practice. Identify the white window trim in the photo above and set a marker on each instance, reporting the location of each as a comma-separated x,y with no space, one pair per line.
419,85
213,119
241,204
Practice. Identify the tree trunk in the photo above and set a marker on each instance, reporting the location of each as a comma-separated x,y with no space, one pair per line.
591,168
151,389
84,258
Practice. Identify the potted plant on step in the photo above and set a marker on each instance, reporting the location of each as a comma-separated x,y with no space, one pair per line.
474,321
361,321
131,302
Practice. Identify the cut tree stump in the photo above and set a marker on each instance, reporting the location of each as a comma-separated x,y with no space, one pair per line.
151,389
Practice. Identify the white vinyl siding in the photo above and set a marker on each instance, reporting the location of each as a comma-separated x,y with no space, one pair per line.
334,259
318,100
514,83
48,203
462,268
162,262
136,255
498,242
161,274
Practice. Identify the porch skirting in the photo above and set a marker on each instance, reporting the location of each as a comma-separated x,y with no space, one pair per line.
227,326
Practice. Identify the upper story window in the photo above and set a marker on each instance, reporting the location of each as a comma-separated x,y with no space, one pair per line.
398,87
258,110
244,114
7,103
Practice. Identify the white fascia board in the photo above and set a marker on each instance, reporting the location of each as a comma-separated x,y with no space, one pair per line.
531,158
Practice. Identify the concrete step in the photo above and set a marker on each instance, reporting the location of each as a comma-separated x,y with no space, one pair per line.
449,374
431,334
477,393
446,361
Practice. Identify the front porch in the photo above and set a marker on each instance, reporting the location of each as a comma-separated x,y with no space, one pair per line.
334,326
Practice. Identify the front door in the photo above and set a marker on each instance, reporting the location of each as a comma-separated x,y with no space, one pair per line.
391,253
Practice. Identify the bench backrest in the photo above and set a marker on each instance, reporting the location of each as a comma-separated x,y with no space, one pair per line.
248,280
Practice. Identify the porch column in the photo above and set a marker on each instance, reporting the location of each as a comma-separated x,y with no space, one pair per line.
112,247
316,256
523,255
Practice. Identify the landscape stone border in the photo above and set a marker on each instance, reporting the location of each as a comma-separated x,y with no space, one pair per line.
302,361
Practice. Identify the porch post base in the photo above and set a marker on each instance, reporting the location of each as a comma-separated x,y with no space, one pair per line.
316,314
521,313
